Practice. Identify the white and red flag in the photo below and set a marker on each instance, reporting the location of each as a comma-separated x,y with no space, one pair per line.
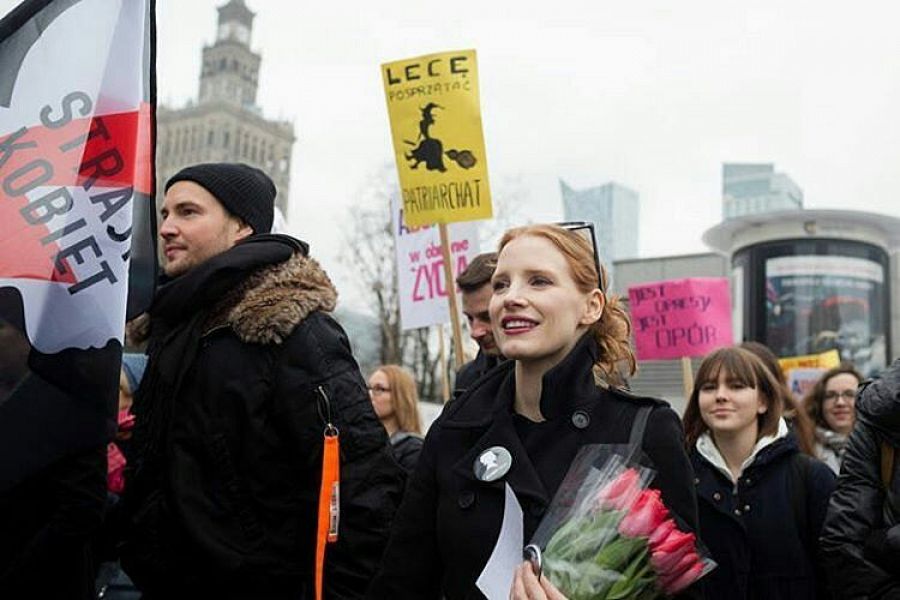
77,250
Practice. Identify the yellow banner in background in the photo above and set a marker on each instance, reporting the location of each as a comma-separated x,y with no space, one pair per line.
435,114
825,360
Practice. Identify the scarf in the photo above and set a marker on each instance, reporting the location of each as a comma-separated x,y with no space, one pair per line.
177,324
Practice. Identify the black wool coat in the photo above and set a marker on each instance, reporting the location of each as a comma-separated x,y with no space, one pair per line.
752,528
470,372
449,521
406,447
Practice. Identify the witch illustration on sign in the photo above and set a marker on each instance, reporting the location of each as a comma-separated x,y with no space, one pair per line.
430,150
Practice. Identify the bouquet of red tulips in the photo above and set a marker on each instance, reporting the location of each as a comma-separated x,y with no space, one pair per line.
609,536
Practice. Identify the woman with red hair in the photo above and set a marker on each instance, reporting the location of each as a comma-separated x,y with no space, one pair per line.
519,427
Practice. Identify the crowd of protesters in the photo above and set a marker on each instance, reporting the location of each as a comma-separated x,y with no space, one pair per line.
253,461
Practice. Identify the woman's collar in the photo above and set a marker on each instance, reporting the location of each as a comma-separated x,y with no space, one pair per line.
708,450
564,385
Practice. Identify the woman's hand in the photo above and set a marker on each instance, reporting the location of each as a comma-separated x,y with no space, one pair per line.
526,586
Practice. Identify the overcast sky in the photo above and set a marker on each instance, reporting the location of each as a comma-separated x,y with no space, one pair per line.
653,94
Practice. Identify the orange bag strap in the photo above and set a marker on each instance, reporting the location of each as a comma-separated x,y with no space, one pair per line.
329,494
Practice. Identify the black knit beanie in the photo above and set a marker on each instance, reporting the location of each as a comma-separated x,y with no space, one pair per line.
244,191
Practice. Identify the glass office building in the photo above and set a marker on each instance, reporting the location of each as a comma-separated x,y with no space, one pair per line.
749,189
614,211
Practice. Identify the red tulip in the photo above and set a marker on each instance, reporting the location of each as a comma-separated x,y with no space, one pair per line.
661,533
666,556
620,492
645,515
676,540
686,562
673,586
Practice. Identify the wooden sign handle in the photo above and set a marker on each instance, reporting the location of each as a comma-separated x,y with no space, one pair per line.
687,376
458,358
445,366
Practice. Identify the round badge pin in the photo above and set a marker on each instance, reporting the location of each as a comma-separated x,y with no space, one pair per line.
493,463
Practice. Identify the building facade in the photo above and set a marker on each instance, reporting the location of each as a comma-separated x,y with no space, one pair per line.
802,282
615,212
225,124
749,189
811,281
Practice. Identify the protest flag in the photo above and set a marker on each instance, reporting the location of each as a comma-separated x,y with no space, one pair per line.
77,244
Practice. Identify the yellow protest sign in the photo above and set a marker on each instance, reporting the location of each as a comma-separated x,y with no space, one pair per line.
825,360
435,114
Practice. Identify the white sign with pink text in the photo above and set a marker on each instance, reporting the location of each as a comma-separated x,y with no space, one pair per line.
420,267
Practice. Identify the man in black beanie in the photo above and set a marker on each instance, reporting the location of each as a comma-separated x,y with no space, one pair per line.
246,371
210,207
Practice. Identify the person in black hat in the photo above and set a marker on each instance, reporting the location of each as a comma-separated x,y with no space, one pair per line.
246,370
210,207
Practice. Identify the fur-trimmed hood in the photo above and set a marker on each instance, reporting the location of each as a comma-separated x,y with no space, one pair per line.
262,288
272,301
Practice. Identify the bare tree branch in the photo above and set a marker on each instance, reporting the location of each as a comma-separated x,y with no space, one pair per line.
369,251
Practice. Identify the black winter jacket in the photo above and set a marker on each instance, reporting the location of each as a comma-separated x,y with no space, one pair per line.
222,497
449,520
861,539
47,525
752,528
470,372
407,446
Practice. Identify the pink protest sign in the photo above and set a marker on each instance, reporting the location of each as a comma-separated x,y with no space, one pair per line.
681,317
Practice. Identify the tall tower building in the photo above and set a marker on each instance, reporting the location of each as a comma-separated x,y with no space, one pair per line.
615,212
749,189
225,124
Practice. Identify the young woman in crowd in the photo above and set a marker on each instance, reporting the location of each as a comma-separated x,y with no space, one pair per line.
832,405
798,420
762,502
527,418
861,537
396,403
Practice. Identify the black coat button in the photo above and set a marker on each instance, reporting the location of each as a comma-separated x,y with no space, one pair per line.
717,496
580,419
466,499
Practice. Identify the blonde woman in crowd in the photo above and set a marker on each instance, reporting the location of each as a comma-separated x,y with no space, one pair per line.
396,403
